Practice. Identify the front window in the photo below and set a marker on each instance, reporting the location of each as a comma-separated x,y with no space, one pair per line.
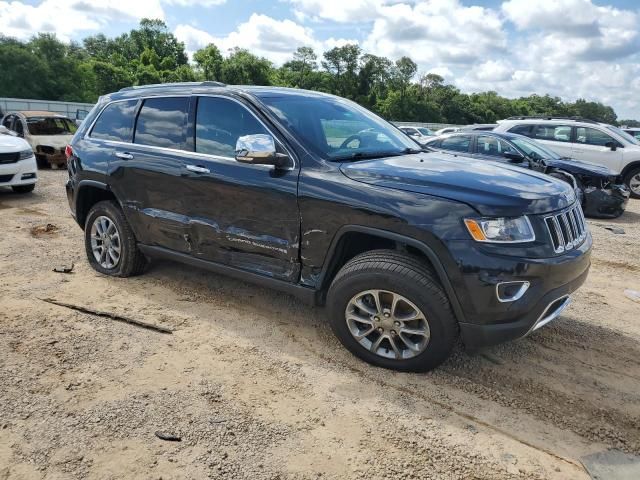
338,129
593,136
456,143
493,146
425,131
51,126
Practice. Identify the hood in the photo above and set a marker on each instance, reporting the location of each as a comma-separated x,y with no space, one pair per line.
9,143
493,190
579,167
56,141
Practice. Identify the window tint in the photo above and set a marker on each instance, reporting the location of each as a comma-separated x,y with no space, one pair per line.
458,143
591,136
7,121
161,122
522,130
493,146
556,133
115,122
219,123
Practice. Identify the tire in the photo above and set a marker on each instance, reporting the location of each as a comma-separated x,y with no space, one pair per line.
23,188
627,181
130,260
397,274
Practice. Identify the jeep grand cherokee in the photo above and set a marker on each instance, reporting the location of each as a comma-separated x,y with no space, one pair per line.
314,195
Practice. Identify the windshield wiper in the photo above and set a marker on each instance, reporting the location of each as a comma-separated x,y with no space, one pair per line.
373,155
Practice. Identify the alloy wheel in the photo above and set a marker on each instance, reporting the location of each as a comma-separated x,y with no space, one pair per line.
387,324
634,184
105,242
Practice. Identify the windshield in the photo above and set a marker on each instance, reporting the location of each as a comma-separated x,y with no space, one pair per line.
534,150
50,126
338,129
625,135
425,131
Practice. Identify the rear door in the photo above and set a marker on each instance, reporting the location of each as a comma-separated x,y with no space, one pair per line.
558,137
147,173
243,215
456,144
594,145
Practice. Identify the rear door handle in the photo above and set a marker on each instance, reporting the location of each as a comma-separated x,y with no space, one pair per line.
197,169
124,155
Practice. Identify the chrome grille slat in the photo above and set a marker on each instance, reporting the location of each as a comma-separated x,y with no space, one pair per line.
567,229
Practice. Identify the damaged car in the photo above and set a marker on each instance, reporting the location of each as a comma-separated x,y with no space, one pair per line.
602,194
48,134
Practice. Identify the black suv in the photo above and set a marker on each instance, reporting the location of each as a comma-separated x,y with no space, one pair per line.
315,196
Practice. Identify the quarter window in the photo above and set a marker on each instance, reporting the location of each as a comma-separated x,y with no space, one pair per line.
116,122
556,133
161,122
219,124
458,143
493,146
592,136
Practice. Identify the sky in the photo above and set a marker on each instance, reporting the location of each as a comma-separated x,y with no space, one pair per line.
570,48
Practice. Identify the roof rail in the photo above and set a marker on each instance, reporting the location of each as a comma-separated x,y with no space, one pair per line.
207,83
551,117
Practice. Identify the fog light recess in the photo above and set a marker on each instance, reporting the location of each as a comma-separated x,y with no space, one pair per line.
511,291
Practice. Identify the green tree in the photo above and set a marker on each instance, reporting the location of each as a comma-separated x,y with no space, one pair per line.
209,62
342,64
244,68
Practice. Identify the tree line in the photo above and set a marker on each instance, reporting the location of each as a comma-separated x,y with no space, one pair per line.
46,68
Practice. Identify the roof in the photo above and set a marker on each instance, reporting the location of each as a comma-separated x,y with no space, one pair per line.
191,88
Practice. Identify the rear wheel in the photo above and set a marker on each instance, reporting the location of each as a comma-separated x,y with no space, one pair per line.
388,309
23,188
110,243
632,180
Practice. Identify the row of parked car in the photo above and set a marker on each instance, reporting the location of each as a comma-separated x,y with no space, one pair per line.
30,140
601,161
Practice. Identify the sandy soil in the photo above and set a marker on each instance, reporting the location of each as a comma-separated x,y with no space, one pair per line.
257,387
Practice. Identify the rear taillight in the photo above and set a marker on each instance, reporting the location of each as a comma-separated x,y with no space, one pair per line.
68,151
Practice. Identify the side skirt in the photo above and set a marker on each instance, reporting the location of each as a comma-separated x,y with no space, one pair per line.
306,294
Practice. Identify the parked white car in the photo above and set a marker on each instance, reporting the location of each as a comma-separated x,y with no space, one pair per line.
18,168
584,140
48,133
419,134
444,130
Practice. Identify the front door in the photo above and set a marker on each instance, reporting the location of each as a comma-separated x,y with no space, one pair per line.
242,215
594,145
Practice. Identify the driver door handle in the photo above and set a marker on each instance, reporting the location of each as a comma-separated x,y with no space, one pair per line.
124,155
197,169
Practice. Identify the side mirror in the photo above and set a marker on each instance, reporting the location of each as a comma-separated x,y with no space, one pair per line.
612,145
260,149
514,157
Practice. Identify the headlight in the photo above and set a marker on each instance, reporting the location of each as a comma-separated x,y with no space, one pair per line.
26,154
500,230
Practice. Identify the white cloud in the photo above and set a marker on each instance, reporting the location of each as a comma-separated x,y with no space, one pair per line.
261,34
338,10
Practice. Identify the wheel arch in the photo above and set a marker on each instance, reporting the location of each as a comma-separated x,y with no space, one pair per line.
628,168
89,193
340,252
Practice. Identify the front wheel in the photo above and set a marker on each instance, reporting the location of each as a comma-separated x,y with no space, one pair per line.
632,180
388,309
110,243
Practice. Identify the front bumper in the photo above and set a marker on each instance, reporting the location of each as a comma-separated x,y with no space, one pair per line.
487,319
22,172
605,202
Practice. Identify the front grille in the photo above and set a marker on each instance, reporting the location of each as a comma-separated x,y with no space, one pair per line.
5,178
12,157
567,229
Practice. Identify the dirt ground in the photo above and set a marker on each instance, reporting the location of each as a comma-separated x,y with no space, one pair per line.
257,387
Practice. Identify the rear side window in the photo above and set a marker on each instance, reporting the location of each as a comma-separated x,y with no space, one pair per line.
219,123
525,130
115,122
556,133
458,143
161,122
